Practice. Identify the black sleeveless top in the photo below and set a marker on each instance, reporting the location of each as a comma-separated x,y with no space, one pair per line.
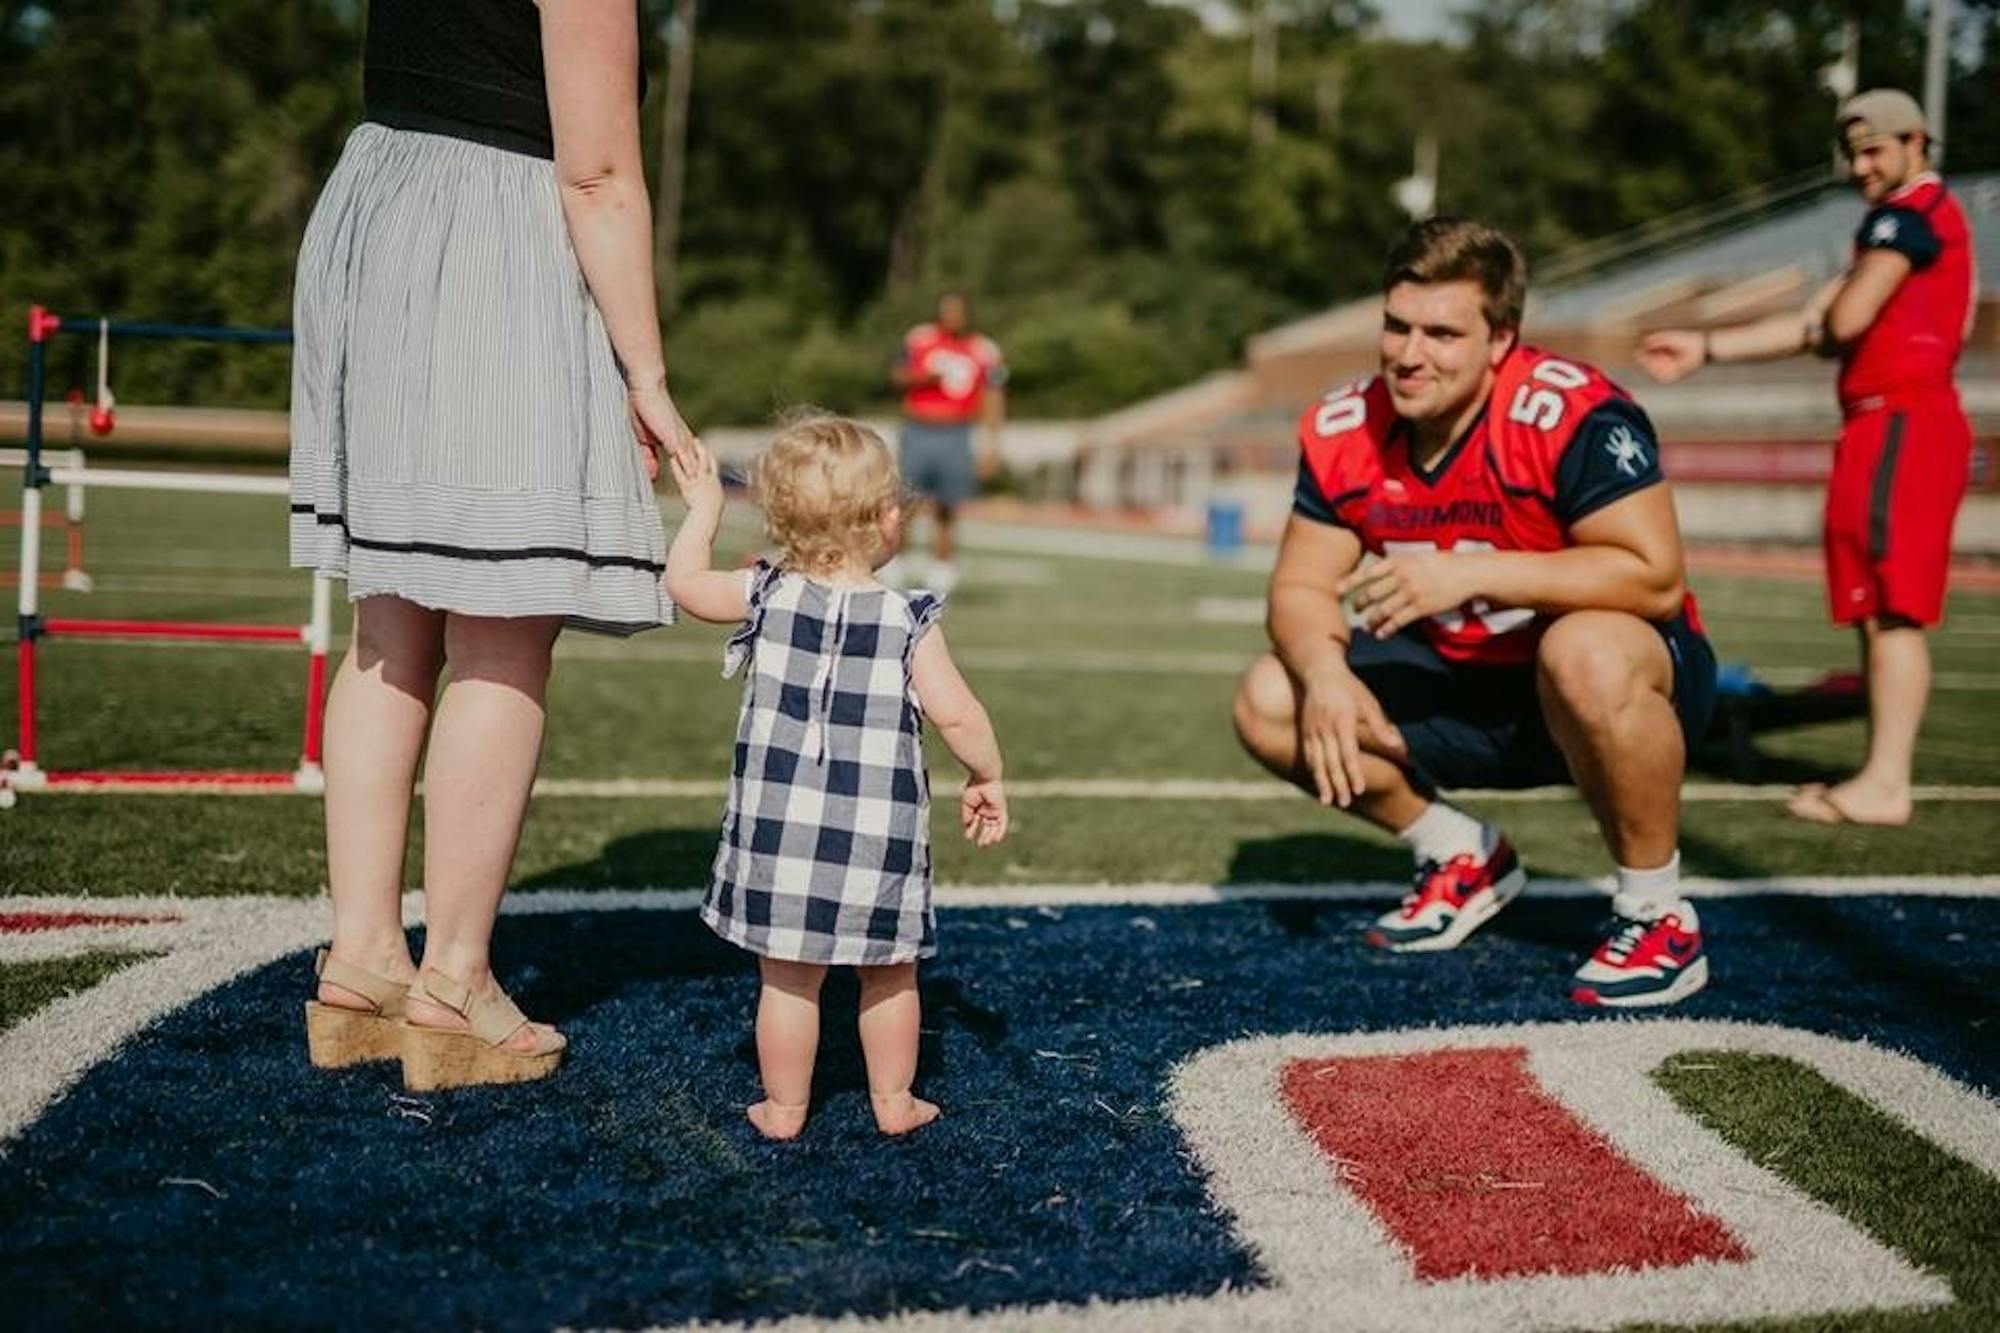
470,69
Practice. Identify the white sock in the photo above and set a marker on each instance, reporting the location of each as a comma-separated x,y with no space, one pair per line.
944,577
1648,895
1443,831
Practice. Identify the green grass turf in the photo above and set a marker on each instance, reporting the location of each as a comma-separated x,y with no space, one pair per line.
26,987
1092,668
1919,1200
212,845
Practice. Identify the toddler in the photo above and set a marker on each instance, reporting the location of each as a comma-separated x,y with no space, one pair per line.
825,852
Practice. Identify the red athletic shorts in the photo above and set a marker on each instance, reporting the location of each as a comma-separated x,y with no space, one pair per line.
1899,473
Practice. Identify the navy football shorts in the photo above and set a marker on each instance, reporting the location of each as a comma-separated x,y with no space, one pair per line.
936,462
1482,726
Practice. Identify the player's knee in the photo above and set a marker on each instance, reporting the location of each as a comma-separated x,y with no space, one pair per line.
1265,705
1586,670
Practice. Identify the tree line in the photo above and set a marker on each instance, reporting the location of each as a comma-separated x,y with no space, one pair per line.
1125,188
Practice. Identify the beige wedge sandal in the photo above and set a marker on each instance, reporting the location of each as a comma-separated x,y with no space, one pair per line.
337,1036
440,1058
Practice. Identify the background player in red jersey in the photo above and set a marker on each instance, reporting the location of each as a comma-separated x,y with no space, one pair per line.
1896,319
1526,621
951,377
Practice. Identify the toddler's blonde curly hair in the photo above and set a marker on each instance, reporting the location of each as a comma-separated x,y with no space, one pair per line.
826,483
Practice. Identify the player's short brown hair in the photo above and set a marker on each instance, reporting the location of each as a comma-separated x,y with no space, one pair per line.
1461,250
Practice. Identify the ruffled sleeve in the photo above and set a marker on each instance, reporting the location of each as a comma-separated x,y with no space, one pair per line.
924,609
763,576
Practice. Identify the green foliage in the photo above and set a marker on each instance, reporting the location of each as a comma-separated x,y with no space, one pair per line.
1124,196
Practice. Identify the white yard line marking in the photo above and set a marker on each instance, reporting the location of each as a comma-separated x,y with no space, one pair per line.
1043,661
1079,789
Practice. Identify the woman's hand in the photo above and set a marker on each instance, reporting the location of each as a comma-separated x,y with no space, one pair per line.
983,811
699,479
657,425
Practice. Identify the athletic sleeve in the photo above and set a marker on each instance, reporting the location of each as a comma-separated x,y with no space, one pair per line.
994,362
1612,455
1904,230
1310,500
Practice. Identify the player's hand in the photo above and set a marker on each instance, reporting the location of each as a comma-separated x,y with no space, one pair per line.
699,478
657,424
1336,717
1397,591
983,811
1673,354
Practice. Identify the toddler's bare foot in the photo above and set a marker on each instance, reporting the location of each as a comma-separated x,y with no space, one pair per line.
776,1121
899,1112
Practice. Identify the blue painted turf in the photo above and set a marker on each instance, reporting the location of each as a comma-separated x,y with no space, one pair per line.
629,1189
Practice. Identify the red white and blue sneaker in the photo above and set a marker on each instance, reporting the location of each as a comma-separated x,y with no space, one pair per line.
1450,900
1645,961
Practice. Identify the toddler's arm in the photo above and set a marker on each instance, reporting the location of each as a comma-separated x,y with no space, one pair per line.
967,732
704,593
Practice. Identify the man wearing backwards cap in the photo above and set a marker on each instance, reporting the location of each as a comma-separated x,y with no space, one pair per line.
1896,319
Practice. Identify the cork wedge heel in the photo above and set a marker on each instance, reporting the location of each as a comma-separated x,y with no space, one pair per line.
435,1058
337,1036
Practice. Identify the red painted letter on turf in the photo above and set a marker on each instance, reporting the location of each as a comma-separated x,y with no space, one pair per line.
1479,1172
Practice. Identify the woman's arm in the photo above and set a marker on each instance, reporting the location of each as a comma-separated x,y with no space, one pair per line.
590,51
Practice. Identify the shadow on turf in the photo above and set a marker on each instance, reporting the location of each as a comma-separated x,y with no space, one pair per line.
1714,760
657,858
580,962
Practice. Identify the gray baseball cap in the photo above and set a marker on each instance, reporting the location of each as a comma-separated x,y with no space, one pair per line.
1879,113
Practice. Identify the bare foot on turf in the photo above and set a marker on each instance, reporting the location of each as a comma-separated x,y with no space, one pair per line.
1852,802
774,1121
899,1112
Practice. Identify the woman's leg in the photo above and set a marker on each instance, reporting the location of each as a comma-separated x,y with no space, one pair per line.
485,743
375,720
891,1019
787,1044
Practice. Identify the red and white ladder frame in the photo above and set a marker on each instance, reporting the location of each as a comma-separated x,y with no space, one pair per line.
22,769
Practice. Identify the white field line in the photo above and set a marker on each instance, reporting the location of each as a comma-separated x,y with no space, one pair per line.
1080,789
1045,661
1199,789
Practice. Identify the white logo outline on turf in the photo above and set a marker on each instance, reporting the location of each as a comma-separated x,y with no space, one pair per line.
1322,1243
216,940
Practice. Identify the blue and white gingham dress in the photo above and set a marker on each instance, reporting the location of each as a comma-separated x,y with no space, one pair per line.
825,854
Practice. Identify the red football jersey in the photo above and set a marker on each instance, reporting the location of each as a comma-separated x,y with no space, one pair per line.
965,366
1914,342
1557,441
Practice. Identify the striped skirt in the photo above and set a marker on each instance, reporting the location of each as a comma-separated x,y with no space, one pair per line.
459,434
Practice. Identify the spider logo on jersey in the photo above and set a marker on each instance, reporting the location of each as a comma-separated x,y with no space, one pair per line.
1625,450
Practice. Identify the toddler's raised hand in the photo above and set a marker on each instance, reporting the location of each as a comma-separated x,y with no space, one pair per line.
983,811
698,477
